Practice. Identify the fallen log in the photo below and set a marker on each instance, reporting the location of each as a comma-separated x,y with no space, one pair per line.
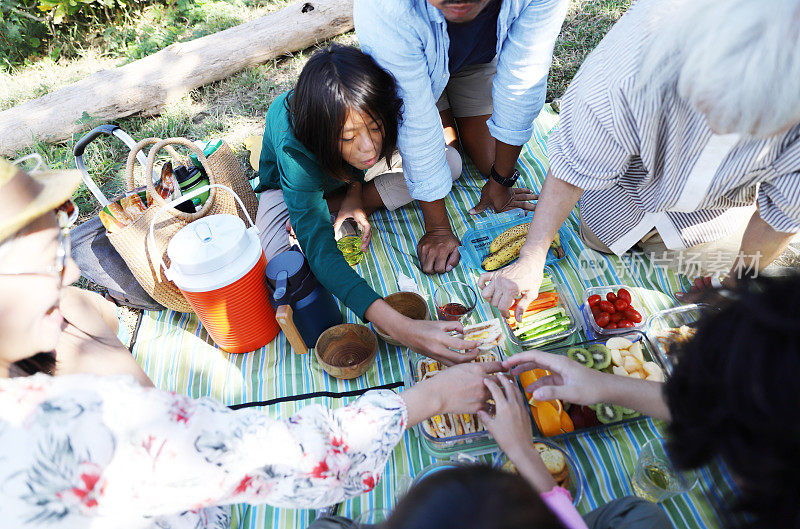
148,84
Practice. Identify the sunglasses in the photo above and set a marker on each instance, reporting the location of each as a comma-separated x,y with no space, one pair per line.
66,214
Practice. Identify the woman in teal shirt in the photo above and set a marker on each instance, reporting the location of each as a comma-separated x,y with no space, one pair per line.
340,120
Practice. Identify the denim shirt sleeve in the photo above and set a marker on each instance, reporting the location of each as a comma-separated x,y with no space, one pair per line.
394,41
519,87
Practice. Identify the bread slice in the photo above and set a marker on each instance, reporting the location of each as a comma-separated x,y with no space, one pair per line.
553,458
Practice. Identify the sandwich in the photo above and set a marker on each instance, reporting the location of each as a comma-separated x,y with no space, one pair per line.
488,333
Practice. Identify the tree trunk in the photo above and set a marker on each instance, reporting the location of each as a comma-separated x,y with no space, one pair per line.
147,84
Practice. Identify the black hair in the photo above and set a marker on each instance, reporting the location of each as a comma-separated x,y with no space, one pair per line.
38,363
472,497
334,80
734,394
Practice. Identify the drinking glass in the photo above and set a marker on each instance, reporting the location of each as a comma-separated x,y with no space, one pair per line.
455,301
656,478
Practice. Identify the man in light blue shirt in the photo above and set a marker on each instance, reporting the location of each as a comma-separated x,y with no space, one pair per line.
440,50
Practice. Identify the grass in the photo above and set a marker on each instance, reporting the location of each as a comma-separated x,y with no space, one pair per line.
233,108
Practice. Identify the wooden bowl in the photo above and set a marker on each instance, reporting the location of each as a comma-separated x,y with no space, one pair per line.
346,351
408,304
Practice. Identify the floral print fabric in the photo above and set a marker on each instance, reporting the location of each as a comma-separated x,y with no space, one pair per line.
80,450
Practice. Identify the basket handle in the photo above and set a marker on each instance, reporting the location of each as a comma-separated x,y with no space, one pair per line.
151,238
159,200
137,154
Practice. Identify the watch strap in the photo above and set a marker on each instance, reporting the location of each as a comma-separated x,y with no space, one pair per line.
502,180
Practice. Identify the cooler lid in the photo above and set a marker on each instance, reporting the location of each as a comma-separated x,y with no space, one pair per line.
208,244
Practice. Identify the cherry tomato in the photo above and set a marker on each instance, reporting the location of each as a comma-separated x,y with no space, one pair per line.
611,297
633,315
605,306
624,324
596,311
620,305
602,319
594,300
611,325
617,316
625,295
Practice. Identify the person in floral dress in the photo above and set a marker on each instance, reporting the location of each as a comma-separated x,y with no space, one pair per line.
84,450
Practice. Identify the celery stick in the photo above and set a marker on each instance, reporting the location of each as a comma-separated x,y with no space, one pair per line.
554,327
532,319
540,324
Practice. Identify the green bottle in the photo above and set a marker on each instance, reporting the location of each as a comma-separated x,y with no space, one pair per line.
209,148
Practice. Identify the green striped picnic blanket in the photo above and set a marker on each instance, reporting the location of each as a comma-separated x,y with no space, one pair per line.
179,356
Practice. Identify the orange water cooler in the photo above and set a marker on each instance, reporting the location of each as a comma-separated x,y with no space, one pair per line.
218,264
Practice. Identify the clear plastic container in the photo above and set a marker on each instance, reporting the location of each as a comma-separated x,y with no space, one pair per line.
575,485
671,319
595,330
473,443
476,241
648,354
564,300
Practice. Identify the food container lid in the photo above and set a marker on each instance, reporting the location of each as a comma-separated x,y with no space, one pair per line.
476,241
208,244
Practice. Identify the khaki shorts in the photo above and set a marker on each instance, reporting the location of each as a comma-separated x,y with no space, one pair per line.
469,91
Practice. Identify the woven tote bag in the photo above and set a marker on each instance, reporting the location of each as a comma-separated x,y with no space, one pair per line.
132,241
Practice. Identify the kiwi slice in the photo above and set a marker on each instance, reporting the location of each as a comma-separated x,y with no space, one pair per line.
607,413
580,355
628,413
601,356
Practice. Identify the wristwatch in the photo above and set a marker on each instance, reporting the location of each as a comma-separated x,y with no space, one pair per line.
502,180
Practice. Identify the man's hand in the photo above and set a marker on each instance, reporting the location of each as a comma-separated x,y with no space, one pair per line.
438,250
520,280
502,198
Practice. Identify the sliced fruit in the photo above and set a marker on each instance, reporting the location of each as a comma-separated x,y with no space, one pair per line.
527,378
653,371
637,374
617,370
636,350
589,416
547,419
601,356
577,415
618,343
567,425
607,413
631,364
616,356
580,355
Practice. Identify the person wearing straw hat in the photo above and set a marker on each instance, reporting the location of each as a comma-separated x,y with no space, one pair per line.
82,449
77,325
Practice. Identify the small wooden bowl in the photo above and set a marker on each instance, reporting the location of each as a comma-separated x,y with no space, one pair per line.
346,351
408,304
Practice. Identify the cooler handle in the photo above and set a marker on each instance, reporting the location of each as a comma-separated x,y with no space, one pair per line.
151,238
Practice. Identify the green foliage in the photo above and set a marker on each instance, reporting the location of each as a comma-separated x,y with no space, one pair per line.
21,32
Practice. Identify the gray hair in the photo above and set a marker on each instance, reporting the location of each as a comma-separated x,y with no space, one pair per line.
735,61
